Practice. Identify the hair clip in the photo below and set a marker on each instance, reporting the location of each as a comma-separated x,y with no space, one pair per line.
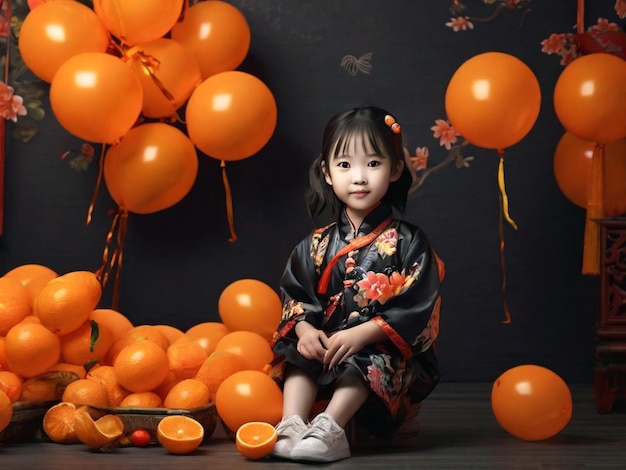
391,122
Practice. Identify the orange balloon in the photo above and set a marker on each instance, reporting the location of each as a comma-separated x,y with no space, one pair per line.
152,168
216,33
572,170
248,395
531,402
252,347
590,98
56,31
168,73
231,115
96,97
138,21
493,100
250,305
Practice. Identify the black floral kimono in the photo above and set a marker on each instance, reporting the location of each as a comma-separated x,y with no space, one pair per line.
386,273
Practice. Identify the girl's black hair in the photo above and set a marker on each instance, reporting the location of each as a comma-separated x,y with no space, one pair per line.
369,124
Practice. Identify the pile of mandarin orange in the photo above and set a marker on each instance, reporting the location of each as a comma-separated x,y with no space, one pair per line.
57,346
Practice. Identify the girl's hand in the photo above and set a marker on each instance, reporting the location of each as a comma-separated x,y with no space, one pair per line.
312,343
342,345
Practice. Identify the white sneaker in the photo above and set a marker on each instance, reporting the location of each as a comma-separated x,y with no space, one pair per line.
289,430
325,441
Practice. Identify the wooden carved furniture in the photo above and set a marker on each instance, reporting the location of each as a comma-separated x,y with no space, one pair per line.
610,348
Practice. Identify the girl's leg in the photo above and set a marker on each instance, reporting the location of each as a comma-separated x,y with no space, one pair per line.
326,440
299,393
349,395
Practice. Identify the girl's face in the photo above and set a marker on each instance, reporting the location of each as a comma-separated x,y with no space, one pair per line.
360,177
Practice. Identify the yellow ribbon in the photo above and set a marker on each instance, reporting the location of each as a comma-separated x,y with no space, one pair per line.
229,203
504,214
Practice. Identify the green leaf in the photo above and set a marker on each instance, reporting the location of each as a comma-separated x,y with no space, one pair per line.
95,333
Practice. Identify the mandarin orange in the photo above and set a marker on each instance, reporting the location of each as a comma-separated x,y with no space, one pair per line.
185,357
137,333
4,365
90,342
27,272
218,367
34,286
6,411
105,375
66,301
86,392
142,400
187,394
165,387
141,366
207,334
140,332
116,321
48,386
11,384
31,349
14,304
171,332
80,371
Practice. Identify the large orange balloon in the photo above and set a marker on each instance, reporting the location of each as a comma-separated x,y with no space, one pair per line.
168,73
248,395
216,33
493,100
96,97
56,31
531,402
231,115
590,98
251,305
137,21
152,168
572,170
252,347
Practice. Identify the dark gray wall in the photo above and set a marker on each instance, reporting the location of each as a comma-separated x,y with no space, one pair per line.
177,262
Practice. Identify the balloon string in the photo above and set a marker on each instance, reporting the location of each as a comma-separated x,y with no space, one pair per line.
150,64
96,190
109,262
113,253
121,238
507,313
229,203
501,185
595,210
504,215
580,17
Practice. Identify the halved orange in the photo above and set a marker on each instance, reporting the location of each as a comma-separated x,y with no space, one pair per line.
180,434
97,434
255,439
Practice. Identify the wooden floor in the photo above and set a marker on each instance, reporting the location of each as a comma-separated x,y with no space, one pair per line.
458,431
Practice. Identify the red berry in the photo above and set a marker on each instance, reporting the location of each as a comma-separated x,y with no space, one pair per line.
140,437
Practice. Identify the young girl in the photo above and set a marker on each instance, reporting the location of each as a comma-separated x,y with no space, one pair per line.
361,296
